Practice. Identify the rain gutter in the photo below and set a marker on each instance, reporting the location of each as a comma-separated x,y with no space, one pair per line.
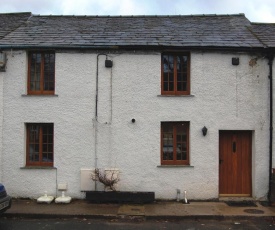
135,47
96,114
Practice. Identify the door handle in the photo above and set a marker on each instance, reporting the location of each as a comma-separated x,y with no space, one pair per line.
220,161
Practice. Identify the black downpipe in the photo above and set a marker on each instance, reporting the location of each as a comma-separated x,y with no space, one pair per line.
270,63
96,99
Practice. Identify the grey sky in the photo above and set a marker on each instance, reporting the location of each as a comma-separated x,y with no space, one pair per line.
255,10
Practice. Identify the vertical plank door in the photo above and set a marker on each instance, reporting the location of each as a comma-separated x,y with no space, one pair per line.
235,157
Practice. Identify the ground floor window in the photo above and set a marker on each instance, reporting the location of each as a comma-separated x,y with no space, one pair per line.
175,143
40,144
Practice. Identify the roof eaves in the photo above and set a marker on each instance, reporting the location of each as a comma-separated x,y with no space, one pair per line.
133,47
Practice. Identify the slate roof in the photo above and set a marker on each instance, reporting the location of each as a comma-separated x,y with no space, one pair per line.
265,32
214,31
10,22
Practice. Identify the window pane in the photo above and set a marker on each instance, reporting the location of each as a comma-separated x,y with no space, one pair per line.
181,156
47,157
37,85
49,72
45,138
45,129
184,155
45,148
179,77
51,86
168,63
165,77
184,86
47,143
167,155
34,133
51,76
167,140
179,63
50,157
182,63
50,129
171,86
50,139
33,153
168,83
165,86
35,71
181,141
171,63
165,63
46,86
50,148
179,86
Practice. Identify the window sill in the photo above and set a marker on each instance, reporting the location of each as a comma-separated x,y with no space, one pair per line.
39,95
38,167
190,95
175,166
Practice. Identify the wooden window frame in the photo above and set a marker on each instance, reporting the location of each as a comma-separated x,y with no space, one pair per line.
175,161
175,91
40,162
41,91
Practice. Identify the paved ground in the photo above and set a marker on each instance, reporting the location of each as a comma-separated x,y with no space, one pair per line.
119,224
156,210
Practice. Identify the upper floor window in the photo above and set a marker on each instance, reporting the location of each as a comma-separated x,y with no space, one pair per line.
41,73
175,74
175,143
39,144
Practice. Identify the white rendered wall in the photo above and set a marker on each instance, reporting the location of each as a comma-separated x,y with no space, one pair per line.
1,121
225,97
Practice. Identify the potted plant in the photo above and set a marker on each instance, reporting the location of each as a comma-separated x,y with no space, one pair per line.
109,178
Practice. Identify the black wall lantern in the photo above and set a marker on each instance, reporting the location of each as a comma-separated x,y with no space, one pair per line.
204,131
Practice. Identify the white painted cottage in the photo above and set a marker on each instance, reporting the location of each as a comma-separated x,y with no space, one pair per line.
172,102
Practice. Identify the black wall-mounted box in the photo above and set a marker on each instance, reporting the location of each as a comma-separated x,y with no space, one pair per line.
235,61
108,63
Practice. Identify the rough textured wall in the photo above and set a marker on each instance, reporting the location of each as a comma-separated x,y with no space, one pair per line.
225,97
2,74
71,111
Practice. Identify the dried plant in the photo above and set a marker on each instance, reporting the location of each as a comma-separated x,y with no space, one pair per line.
108,179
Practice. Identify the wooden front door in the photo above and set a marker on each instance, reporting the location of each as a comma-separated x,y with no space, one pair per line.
235,159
